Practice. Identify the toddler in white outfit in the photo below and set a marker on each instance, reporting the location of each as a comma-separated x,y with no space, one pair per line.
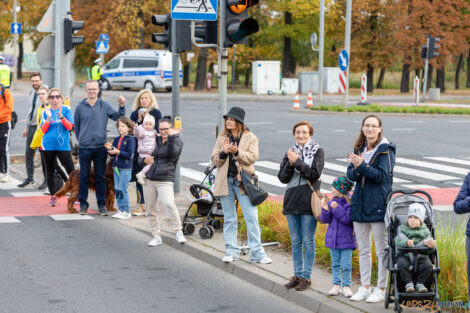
147,141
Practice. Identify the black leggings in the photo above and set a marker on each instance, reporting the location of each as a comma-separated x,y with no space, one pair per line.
4,142
50,158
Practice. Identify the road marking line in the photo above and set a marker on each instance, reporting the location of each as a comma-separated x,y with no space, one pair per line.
419,186
12,184
434,166
460,121
28,194
339,130
403,129
193,174
413,122
449,160
259,123
422,174
283,131
9,219
70,217
344,169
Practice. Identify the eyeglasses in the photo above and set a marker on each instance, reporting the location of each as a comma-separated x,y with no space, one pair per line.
42,94
370,126
302,133
163,129
54,97
91,89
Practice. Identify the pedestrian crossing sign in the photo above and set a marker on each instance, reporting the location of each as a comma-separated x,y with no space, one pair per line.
196,10
102,47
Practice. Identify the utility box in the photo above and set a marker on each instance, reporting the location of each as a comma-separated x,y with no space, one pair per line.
331,79
266,77
289,86
434,94
308,81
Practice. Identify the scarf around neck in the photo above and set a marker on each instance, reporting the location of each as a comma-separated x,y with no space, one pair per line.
307,152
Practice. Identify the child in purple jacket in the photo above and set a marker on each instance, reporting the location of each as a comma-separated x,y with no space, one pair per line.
340,235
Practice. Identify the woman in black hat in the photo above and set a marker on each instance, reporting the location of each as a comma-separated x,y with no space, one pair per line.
237,143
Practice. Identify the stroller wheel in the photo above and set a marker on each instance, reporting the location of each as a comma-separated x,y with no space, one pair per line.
211,231
216,224
188,229
205,232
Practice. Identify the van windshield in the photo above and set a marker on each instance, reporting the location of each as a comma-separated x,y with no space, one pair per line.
114,64
133,63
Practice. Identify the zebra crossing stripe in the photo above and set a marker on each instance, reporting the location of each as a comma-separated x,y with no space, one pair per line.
422,174
193,174
449,160
70,217
435,166
9,219
343,169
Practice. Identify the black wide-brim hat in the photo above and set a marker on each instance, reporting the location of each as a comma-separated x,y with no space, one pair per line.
237,113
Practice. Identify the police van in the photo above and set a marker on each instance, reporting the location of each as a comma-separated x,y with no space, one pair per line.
150,69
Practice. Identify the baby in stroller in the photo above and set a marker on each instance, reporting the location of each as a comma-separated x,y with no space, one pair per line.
414,233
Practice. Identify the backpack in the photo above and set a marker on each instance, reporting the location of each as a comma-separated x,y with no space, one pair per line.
14,116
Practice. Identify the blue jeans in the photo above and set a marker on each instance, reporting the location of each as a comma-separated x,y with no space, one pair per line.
98,156
250,214
302,229
341,258
121,182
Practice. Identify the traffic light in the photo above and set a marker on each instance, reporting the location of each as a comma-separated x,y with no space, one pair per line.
183,33
424,52
206,32
432,49
165,37
238,26
70,40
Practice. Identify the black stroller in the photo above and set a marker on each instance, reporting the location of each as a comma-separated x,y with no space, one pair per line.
205,208
397,213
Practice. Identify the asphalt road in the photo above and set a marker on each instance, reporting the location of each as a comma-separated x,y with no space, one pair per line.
103,266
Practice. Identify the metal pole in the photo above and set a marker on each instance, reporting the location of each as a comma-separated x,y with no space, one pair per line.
233,68
426,70
58,43
66,86
15,47
175,95
222,69
347,46
320,52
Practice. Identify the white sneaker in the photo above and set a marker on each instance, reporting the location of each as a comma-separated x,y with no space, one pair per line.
265,260
140,177
156,241
347,292
180,237
361,294
124,216
117,215
228,259
335,290
5,179
376,296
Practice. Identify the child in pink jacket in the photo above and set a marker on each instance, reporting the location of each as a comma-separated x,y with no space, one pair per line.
147,140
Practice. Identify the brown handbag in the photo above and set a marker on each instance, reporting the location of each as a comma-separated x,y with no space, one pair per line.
316,202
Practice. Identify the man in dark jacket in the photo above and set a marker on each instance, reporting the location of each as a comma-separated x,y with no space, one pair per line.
91,119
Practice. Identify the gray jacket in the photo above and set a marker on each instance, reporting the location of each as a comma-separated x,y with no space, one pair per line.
32,114
91,122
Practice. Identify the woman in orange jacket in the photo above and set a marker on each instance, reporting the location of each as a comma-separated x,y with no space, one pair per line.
6,107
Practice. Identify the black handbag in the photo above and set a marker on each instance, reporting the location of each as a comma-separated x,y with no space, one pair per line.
254,192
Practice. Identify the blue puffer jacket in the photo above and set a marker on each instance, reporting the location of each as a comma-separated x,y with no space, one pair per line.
373,183
124,159
462,202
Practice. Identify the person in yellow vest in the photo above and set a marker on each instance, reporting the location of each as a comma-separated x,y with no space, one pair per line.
97,70
5,73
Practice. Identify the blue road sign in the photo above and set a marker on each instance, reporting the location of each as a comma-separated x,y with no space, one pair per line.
16,28
343,60
197,10
102,47
103,37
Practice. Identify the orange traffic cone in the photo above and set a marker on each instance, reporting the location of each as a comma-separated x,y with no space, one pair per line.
296,102
309,99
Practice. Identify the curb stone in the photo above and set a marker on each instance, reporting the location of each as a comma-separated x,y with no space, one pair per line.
463,116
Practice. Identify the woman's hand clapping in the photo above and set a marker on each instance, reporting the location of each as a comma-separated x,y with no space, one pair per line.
292,156
355,159
229,147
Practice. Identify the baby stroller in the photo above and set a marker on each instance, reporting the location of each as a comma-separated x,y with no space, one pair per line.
205,207
397,213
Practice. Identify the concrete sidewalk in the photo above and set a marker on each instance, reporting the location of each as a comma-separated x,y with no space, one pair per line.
270,277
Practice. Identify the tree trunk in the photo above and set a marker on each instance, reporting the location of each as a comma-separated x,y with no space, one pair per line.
201,69
288,62
140,14
380,82
457,71
247,76
467,84
19,73
370,77
405,79
186,75
441,79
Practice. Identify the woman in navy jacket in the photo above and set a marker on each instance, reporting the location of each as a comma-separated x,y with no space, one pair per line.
461,206
371,168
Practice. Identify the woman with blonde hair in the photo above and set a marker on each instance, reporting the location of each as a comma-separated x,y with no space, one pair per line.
56,123
144,104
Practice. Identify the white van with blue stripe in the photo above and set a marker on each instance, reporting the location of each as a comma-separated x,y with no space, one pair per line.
150,69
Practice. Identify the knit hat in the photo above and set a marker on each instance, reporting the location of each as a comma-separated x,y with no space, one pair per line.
149,118
418,210
343,184
236,113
